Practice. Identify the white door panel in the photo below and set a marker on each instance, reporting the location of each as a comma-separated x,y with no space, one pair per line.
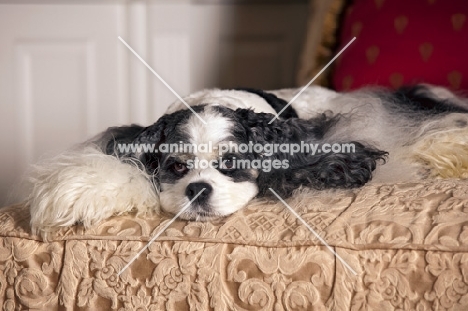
59,78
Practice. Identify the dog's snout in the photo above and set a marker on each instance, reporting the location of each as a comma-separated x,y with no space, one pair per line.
194,188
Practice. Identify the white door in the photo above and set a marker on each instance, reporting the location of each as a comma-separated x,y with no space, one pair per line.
64,75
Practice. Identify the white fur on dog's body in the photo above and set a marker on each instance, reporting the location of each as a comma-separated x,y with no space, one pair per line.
233,99
87,186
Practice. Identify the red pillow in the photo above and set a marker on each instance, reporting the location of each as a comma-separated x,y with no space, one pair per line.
404,42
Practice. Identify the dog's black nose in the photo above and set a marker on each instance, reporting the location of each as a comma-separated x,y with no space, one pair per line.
194,188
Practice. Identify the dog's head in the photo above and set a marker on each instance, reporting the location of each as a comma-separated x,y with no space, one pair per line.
227,158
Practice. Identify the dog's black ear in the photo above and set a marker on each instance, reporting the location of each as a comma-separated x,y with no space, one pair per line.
260,130
348,168
152,137
135,142
323,171
115,139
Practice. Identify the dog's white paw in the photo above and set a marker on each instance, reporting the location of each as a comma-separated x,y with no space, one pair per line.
86,187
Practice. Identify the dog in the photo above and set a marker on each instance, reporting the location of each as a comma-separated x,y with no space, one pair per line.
412,133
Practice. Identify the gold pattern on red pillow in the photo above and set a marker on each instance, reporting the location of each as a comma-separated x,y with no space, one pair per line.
458,20
400,23
347,82
372,53
379,3
426,50
356,29
455,78
402,42
396,80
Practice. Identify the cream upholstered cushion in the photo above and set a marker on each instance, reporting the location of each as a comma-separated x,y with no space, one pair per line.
407,242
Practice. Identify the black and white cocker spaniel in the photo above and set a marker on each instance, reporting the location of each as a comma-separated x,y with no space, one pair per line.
234,145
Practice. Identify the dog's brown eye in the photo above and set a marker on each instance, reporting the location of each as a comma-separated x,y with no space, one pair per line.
180,167
228,164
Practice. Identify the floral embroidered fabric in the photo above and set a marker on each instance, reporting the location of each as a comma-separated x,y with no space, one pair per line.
407,242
